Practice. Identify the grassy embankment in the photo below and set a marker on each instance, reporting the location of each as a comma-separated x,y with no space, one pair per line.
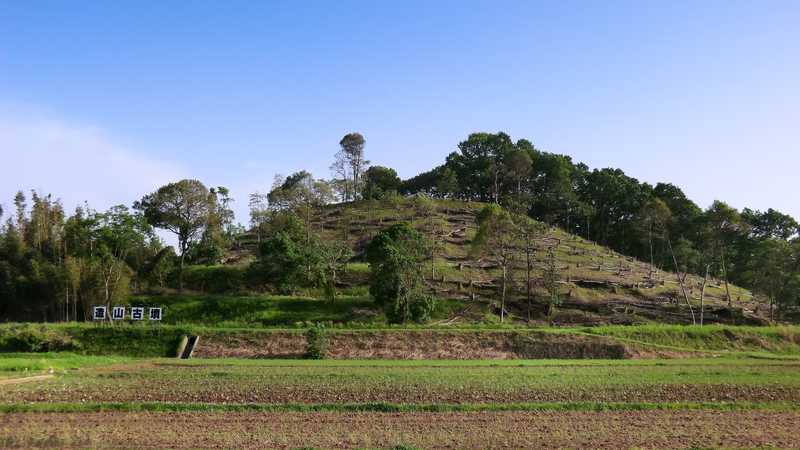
146,340
257,311
598,285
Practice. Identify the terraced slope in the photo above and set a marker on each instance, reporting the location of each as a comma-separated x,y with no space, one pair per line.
598,285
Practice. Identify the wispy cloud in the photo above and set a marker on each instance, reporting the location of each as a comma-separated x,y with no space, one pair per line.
75,162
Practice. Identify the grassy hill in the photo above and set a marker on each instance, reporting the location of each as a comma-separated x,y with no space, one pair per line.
597,286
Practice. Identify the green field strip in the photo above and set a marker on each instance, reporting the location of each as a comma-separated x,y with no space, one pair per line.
80,407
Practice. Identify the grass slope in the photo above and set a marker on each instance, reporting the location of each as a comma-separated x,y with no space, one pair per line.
598,286
162,340
263,310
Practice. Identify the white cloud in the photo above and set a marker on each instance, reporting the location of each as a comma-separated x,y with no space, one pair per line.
75,163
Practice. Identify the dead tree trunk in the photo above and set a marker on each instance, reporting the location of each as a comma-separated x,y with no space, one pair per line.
650,243
703,294
681,280
529,266
503,294
725,275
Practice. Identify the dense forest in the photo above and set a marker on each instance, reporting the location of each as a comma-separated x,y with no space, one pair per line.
54,265
659,224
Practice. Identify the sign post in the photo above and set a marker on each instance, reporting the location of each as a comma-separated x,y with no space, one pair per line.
99,313
154,314
118,313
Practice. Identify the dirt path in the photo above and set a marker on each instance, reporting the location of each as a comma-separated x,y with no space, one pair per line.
25,379
603,430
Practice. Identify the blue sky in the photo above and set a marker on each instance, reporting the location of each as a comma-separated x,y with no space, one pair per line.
104,101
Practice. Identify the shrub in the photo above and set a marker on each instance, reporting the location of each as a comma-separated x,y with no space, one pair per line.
316,342
214,279
419,311
32,338
396,257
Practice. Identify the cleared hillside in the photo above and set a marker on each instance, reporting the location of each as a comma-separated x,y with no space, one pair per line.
597,285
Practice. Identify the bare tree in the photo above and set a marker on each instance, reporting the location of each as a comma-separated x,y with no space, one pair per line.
703,293
551,278
529,230
496,240
681,279
349,165
259,212
426,208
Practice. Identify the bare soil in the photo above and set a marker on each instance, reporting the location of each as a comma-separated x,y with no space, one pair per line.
411,344
601,430
209,391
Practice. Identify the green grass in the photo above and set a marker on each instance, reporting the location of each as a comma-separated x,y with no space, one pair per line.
257,311
137,340
74,407
13,365
420,382
779,340
158,340
578,256
261,310
511,375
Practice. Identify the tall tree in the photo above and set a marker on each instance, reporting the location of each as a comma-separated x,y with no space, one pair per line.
396,257
380,181
446,183
332,256
518,167
299,194
21,217
349,164
259,213
117,234
496,240
479,165
181,208
426,208
653,220
771,224
281,262
550,278
684,212
773,272
529,232
723,226
219,232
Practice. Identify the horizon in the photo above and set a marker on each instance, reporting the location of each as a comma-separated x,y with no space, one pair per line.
700,96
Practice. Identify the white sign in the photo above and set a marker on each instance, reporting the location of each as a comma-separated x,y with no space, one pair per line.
155,313
99,313
118,313
137,313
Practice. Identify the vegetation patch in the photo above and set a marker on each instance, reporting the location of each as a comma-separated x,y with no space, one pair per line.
407,342
74,407
19,364
421,382
380,430
35,338
565,347
779,340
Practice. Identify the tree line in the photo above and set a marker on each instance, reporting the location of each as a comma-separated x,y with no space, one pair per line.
759,250
54,266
